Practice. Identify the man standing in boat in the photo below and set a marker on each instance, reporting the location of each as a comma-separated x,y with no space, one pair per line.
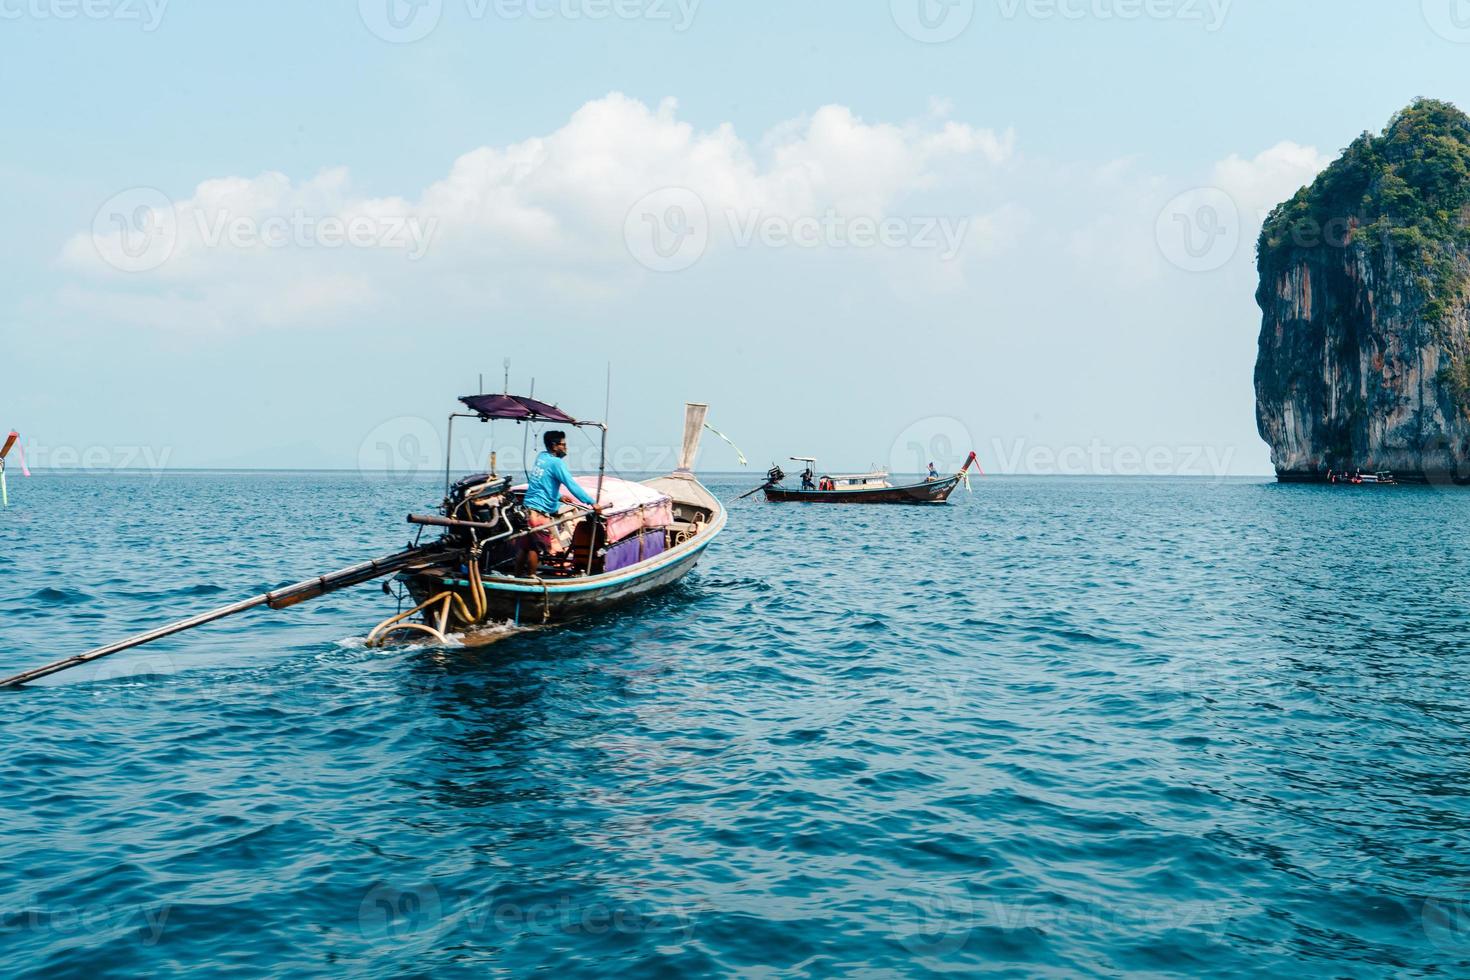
543,499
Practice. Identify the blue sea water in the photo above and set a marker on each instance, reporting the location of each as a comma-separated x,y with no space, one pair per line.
1061,727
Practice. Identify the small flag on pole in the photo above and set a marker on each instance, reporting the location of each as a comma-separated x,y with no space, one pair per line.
739,455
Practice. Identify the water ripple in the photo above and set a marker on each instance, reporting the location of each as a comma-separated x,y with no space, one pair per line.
1062,728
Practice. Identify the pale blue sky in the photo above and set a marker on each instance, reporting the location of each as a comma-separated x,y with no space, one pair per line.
1062,324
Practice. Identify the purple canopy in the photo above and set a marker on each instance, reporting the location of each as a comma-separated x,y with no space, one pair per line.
516,408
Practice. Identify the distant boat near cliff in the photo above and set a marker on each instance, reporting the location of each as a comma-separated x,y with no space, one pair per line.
1381,478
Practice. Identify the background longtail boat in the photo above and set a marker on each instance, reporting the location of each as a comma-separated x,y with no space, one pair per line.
864,488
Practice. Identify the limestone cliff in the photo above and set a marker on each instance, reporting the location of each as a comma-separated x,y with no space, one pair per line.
1364,357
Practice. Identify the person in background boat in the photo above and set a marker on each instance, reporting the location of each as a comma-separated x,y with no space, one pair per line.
543,500
806,479
933,473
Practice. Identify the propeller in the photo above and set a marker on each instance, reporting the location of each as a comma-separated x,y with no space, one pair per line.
773,476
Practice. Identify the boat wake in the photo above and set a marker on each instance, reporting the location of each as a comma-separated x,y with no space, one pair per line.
480,636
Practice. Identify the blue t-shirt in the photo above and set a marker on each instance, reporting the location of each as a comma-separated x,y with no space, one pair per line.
548,476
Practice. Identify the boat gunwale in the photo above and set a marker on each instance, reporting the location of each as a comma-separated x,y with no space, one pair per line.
602,580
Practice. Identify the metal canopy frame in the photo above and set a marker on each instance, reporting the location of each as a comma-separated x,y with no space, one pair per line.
449,443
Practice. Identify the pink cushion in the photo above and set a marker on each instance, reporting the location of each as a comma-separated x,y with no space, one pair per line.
632,507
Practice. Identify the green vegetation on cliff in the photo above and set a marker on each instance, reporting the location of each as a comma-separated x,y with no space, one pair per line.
1407,190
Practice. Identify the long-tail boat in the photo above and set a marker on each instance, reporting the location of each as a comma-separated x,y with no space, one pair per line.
860,488
649,536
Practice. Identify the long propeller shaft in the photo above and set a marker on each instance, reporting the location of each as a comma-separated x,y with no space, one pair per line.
279,599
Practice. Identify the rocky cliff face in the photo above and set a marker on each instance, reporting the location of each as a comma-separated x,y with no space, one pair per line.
1364,358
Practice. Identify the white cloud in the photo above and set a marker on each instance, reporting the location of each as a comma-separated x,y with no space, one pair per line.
546,211
548,217
1259,184
1133,227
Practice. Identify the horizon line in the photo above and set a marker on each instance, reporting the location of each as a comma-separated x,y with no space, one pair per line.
100,471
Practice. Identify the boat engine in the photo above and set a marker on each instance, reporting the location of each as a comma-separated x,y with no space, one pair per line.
481,498
775,475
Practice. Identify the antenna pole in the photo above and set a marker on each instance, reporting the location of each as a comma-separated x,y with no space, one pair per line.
602,457
606,411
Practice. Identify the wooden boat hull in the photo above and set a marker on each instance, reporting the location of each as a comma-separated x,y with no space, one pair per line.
532,602
929,492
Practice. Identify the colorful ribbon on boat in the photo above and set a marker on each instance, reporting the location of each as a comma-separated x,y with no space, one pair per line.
738,453
965,473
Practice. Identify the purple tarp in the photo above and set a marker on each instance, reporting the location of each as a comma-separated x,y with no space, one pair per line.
640,547
515,407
